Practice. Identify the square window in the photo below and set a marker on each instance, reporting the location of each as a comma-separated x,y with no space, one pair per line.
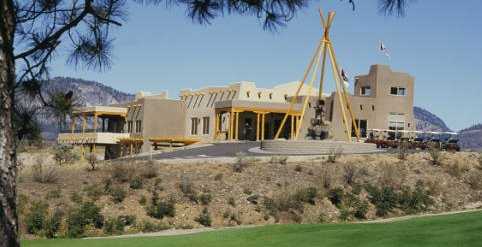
393,90
366,91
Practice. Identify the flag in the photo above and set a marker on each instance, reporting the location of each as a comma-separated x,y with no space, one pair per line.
345,78
384,49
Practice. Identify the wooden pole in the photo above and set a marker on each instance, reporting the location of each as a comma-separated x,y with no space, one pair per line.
293,100
340,97
263,115
257,126
236,126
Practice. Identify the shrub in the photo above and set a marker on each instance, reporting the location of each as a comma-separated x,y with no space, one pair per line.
135,183
148,226
86,214
76,197
403,150
360,209
232,201
64,154
350,173
121,173
186,186
282,160
414,201
143,200
116,225
334,154
107,185
298,168
94,192
44,174
336,196
480,162
127,220
36,217
326,178
92,160
118,194
384,199
53,194
205,198
160,208
435,155
241,162
53,223
307,195
344,214
149,170
474,179
204,218
218,177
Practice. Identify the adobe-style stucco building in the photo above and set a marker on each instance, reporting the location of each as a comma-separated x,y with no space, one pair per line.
382,99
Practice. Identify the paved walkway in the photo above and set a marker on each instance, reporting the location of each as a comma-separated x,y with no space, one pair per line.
214,150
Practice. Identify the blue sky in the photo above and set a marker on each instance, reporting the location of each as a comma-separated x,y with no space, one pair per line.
438,42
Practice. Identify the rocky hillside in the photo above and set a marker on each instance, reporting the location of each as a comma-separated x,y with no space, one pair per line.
471,138
87,93
428,121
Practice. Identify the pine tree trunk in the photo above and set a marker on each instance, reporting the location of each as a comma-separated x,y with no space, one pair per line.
8,168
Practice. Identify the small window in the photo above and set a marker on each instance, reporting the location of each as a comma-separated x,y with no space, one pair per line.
129,126
259,95
270,95
138,126
194,125
361,107
373,107
247,94
365,91
205,125
286,97
399,91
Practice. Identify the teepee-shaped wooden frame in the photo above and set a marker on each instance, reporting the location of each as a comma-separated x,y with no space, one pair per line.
324,48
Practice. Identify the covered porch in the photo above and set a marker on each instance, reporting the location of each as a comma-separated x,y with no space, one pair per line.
254,121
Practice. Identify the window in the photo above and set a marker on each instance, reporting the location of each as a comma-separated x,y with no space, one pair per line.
259,95
396,125
247,94
399,91
138,126
129,126
270,95
286,97
373,107
194,125
366,91
205,125
361,107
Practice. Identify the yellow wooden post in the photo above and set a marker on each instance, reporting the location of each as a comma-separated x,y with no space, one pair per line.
231,122
292,127
263,115
257,126
236,126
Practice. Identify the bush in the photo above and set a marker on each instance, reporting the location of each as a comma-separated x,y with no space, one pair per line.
218,177
44,174
92,160
135,183
118,194
241,162
360,209
86,214
148,226
160,208
384,199
334,155
282,160
53,223
205,198
116,225
403,150
149,170
350,173
307,195
121,173
480,161
232,201
414,201
344,214
64,154
336,196
435,155
204,218
474,179
298,168
36,217
53,194
94,192
143,200
76,197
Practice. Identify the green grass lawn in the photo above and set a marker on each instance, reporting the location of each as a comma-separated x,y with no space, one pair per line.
451,230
